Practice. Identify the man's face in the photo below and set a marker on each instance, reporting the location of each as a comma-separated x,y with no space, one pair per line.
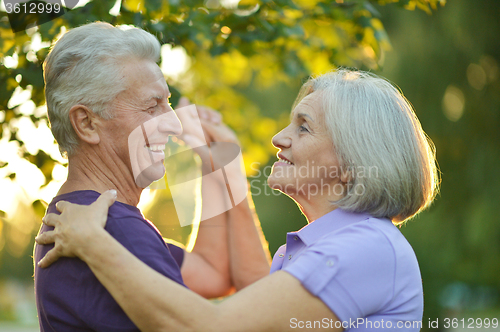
143,120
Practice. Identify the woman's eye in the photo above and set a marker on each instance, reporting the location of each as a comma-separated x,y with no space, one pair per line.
303,129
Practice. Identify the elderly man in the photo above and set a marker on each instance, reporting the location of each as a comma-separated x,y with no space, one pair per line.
102,83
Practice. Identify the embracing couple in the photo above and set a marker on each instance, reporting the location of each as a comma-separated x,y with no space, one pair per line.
100,266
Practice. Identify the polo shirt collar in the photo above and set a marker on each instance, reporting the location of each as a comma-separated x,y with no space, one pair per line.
328,223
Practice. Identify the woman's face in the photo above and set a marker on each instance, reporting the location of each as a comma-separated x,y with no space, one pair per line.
307,164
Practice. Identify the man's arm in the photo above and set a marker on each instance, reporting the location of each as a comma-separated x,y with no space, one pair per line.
205,269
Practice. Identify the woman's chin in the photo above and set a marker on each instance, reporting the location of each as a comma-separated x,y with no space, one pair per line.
284,188
273,183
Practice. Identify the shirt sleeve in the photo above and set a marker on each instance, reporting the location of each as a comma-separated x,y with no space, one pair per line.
177,253
103,313
146,244
351,271
277,262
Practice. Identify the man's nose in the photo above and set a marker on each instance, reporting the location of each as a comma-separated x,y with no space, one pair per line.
169,123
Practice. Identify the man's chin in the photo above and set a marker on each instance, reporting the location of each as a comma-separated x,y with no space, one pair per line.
150,175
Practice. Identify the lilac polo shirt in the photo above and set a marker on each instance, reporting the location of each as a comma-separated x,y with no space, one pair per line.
361,267
68,295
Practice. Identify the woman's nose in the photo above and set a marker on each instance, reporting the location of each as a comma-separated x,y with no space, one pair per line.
282,140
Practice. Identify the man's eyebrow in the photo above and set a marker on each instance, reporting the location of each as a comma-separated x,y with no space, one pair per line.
151,98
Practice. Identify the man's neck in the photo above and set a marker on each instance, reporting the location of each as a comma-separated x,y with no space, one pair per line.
87,171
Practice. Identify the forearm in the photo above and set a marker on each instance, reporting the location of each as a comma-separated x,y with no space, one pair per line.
153,302
212,232
209,275
249,252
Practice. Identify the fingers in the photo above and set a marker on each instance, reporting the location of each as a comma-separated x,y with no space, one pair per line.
50,219
53,254
106,199
209,114
183,102
47,237
50,257
97,212
220,133
61,205
192,141
204,112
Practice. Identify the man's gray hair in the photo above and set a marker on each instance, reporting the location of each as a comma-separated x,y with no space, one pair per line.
374,128
84,67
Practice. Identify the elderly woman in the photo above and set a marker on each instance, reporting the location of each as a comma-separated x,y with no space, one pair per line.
356,161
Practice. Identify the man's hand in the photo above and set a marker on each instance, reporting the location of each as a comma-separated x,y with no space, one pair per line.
74,228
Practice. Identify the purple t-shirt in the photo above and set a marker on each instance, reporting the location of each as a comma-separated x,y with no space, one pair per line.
68,295
361,267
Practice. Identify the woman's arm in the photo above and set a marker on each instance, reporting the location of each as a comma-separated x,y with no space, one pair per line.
218,264
249,256
155,303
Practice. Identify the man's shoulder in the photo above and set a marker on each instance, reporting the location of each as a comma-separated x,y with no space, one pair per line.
119,214
83,197
127,222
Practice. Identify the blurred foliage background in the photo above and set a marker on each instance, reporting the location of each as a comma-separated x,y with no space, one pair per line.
248,60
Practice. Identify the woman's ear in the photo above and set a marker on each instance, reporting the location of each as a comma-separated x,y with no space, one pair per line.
84,122
346,175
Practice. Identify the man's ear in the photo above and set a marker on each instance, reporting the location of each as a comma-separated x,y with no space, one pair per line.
84,122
